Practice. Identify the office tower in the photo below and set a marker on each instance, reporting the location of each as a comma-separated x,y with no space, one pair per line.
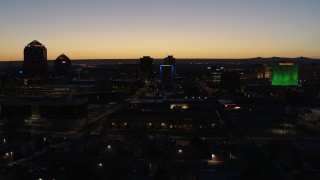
35,59
309,72
146,66
261,71
167,76
216,72
285,74
62,65
170,60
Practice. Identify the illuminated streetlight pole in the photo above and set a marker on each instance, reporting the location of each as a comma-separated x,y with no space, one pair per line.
212,157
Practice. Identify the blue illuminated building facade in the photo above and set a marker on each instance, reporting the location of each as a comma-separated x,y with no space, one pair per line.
167,75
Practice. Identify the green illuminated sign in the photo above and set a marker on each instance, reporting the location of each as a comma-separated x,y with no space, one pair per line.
285,74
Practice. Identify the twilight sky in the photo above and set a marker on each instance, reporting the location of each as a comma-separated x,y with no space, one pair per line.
92,29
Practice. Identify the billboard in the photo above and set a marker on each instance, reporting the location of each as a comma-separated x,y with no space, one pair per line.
285,74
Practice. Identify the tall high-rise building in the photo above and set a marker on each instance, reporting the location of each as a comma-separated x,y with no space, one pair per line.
170,60
35,59
167,76
62,65
216,72
309,72
261,71
146,66
285,74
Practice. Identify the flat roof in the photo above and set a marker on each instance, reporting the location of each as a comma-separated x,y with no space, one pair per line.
43,100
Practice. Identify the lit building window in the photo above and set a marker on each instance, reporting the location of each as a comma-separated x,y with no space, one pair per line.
179,106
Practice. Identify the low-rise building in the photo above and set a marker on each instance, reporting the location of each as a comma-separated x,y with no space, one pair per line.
44,112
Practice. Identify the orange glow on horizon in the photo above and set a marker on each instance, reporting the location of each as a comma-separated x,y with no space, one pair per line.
158,51
129,29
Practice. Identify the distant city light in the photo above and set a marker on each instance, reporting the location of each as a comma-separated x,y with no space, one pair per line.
179,106
213,156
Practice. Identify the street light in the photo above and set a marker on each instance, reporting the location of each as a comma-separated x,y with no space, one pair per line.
100,165
213,157
179,151
108,147
230,156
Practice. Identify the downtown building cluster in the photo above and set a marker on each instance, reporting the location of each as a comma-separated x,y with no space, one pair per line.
154,119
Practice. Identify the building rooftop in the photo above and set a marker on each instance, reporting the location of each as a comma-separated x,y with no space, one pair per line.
35,43
41,100
63,57
165,114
